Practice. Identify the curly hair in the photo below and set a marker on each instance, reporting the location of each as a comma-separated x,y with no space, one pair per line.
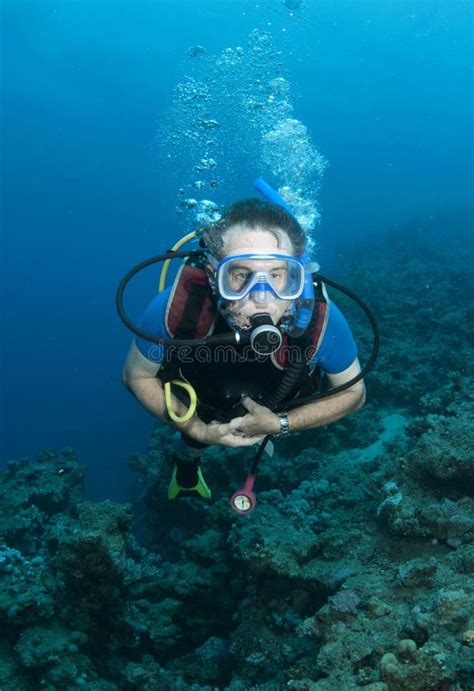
258,215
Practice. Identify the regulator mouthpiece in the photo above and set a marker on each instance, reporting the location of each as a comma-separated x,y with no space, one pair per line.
265,337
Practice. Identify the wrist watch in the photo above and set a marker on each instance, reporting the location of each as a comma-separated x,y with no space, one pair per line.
284,425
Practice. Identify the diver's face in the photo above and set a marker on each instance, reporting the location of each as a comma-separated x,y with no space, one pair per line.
240,240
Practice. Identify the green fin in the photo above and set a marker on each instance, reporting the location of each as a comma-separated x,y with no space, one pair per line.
200,487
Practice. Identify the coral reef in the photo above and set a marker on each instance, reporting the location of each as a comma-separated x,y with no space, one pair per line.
356,571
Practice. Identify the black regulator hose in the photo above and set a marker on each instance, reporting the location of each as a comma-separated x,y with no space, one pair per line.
368,366
295,369
121,311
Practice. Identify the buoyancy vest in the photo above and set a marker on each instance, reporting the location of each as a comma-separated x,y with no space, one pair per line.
222,374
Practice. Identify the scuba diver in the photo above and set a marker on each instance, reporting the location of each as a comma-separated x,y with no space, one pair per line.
275,355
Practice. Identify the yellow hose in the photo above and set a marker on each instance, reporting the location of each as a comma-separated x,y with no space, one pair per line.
184,385
192,401
167,262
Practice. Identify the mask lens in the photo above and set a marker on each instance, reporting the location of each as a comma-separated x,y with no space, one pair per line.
280,274
237,278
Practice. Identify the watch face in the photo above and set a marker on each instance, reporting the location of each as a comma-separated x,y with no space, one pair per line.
242,503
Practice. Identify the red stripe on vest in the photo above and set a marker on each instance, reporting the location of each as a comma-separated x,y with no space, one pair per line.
281,356
187,278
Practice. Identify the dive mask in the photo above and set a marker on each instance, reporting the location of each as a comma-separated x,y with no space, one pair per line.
241,275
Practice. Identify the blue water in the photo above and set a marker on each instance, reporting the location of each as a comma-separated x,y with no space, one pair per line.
385,90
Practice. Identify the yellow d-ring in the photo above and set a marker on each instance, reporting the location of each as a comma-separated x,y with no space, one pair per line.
192,401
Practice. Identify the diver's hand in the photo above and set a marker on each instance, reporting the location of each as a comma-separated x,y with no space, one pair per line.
258,421
218,433
225,434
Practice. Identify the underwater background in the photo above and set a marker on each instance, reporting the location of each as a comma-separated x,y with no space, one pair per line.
118,119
